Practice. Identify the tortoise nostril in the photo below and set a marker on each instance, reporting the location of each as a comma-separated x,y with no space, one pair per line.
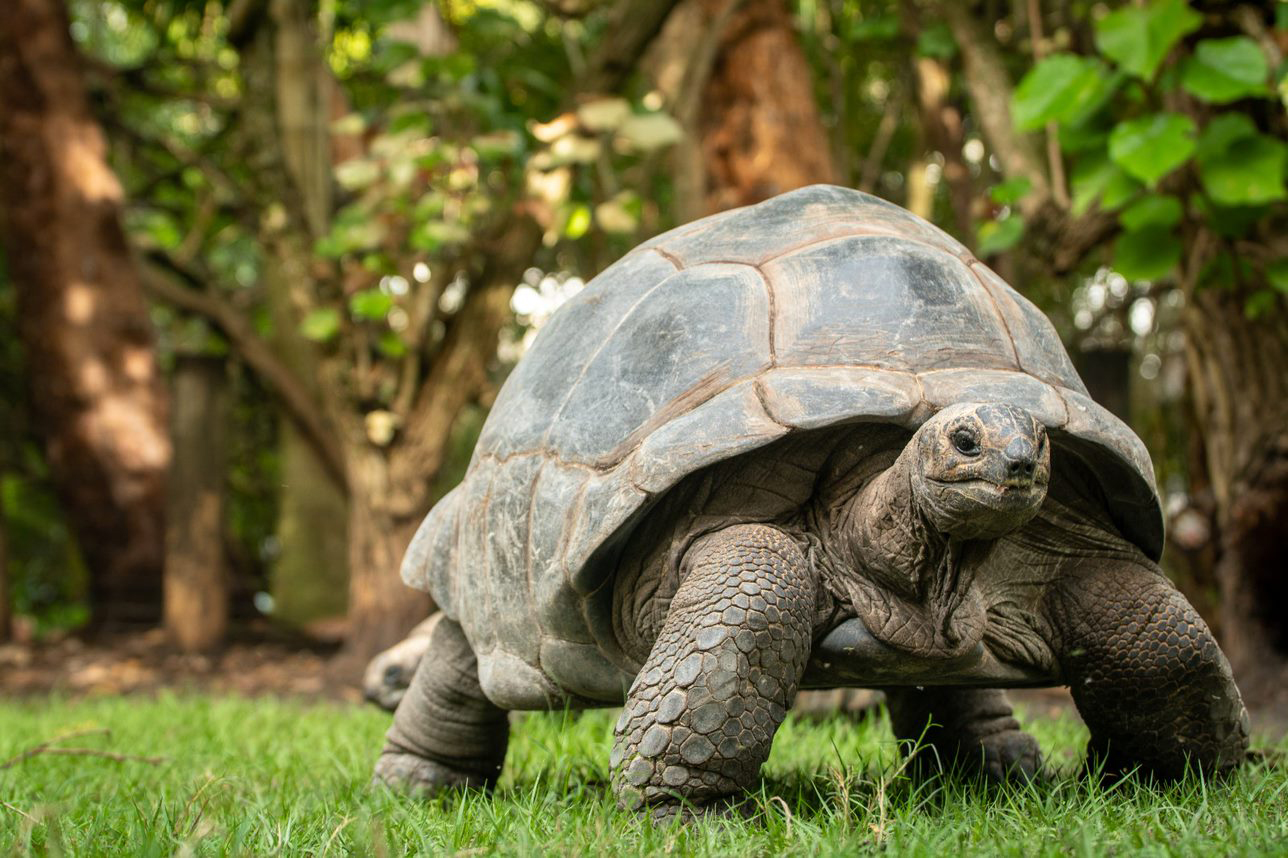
1019,468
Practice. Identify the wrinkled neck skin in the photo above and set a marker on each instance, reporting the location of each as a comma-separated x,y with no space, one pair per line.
904,578
883,534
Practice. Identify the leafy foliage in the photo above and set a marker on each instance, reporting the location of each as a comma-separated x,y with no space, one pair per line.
1223,70
1139,37
1161,149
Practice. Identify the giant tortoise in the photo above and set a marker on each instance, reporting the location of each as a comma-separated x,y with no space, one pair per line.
805,444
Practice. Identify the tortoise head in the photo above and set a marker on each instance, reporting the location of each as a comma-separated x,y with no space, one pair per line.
980,470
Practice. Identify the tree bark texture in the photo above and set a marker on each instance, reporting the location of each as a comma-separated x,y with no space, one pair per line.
1239,386
96,393
196,577
382,609
761,133
943,132
740,84
287,127
990,88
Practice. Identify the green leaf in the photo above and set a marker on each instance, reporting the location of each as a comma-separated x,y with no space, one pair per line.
391,345
433,234
1221,132
1058,89
1138,38
1277,274
1152,146
649,131
1260,303
1147,254
998,235
604,114
1120,190
1224,70
1227,221
1151,210
497,144
1010,192
1083,137
1097,179
1250,171
371,304
578,221
879,29
321,324
936,41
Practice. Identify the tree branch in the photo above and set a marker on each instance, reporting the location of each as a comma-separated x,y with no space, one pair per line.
631,27
164,280
1054,157
990,89
459,369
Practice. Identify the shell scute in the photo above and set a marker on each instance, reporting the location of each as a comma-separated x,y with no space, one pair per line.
905,307
698,332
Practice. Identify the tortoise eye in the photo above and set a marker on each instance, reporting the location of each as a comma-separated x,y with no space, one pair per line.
966,442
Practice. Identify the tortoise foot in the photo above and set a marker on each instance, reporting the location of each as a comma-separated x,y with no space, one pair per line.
423,778
686,813
1011,755
967,730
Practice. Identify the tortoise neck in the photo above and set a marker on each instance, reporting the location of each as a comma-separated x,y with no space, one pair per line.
885,536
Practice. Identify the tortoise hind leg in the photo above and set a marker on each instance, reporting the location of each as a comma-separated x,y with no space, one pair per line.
701,715
446,733
1145,672
970,728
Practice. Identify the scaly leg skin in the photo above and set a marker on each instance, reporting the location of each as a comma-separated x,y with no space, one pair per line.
1145,672
702,713
971,729
446,733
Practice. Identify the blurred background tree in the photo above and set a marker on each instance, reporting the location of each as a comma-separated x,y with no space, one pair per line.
350,218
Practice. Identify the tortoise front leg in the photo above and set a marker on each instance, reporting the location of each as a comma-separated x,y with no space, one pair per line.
701,715
970,728
446,733
1145,672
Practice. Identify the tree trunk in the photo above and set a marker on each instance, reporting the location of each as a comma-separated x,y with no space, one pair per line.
196,580
286,129
1240,391
382,609
759,127
738,81
6,605
990,88
95,389
942,131
390,490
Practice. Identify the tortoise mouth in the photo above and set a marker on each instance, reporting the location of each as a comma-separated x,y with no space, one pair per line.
1018,493
979,508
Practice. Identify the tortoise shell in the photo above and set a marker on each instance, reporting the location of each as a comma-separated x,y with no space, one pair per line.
819,307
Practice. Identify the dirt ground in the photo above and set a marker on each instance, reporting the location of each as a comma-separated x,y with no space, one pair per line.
262,662
144,662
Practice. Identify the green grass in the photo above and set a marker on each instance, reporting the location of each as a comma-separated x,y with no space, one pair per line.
279,777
